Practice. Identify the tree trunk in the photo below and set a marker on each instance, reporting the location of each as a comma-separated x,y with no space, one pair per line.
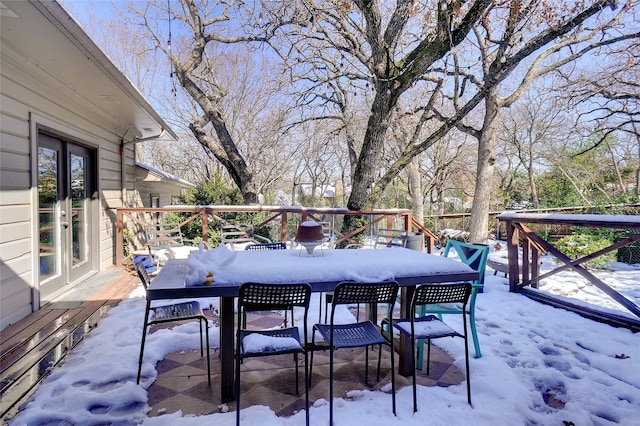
415,189
370,158
532,185
229,156
479,226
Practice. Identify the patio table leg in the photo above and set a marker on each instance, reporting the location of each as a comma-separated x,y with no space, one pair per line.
405,363
227,373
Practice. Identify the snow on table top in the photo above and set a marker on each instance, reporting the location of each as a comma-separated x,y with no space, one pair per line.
365,265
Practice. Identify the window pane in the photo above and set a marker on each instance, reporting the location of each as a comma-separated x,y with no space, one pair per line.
48,197
79,244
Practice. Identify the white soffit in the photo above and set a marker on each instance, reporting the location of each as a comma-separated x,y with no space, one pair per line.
55,48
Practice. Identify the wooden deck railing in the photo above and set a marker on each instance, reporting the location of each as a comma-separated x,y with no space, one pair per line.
525,248
388,218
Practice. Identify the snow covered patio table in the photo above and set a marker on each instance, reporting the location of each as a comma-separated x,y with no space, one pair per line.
323,272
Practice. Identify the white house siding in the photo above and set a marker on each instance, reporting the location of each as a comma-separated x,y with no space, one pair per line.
15,207
53,75
25,101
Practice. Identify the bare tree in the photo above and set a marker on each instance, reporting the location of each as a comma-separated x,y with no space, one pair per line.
396,47
539,38
200,28
530,127
607,94
383,50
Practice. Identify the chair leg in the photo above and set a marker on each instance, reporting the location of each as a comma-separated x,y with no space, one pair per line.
208,351
144,332
331,386
313,345
393,377
466,359
419,361
295,358
466,356
237,388
413,360
306,387
286,322
201,339
144,338
308,383
379,361
474,333
428,355
366,365
421,351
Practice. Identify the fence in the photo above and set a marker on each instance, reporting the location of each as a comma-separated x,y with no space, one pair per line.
497,229
208,219
525,246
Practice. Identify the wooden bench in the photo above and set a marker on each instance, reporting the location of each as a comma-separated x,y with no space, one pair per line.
232,234
499,266
165,241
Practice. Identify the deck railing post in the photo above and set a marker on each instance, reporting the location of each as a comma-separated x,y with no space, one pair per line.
119,238
283,230
205,225
512,254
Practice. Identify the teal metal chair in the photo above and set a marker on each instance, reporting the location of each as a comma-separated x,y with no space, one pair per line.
474,255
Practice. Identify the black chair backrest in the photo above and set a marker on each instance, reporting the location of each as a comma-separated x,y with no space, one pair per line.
348,292
266,246
441,293
142,274
259,296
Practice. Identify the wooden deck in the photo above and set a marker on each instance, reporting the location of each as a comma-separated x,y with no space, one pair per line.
32,347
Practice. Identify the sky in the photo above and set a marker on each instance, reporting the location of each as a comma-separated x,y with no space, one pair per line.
529,349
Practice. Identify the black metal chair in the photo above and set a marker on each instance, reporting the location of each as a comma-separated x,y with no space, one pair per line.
431,327
255,297
384,238
266,246
358,334
171,313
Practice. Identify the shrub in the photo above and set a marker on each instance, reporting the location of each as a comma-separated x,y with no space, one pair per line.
351,223
579,245
629,254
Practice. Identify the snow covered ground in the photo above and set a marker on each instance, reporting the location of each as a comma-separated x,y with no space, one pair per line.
540,366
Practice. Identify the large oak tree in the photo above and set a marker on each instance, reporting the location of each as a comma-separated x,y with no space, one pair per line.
465,52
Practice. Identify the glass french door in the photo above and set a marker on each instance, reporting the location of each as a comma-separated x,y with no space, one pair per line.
65,188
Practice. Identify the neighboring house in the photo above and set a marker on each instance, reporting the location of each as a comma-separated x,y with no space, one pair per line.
158,188
69,121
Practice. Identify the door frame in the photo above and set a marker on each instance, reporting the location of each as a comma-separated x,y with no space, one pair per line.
69,137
